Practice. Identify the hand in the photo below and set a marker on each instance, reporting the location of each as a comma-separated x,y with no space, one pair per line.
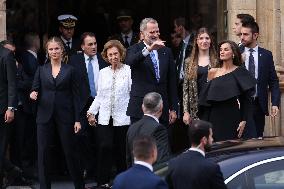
33,95
172,117
186,118
241,128
77,127
9,116
156,45
274,111
243,56
91,119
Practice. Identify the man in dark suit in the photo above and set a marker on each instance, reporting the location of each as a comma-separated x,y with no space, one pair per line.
87,72
141,175
67,25
259,62
181,27
191,169
153,70
7,99
25,116
28,57
149,125
127,36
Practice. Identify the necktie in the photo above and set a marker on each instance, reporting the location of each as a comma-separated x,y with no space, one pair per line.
126,44
68,45
91,77
155,64
251,67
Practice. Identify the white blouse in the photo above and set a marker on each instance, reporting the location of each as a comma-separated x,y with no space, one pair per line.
113,96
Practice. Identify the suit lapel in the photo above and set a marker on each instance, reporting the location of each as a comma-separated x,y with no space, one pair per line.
48,72
260,62
83,68
101,62
162,66
148,60
61,74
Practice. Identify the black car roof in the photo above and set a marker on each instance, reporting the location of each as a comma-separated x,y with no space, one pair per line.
235,155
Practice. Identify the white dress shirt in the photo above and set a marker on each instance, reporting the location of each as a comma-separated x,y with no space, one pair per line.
155,118
113,96
65,41
255,57
128,35
145,53
145,164
96,68
185,41
33,53
197,150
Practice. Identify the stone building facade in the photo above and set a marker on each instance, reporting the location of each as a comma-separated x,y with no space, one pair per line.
270,16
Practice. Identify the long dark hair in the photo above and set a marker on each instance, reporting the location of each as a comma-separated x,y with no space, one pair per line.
237,57
192,61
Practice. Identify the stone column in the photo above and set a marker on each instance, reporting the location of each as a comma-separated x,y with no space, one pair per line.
268,17
235,7
2,20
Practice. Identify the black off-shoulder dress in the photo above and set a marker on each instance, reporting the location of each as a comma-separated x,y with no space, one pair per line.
229,101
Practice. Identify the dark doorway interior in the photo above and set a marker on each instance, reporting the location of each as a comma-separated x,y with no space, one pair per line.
99,15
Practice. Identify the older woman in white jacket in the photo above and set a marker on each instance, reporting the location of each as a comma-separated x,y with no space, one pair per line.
111,103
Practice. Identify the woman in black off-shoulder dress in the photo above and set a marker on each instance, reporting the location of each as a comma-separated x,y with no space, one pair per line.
228,94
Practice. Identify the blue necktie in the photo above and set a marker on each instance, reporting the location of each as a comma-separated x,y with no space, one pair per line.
91,77
251,67
155,64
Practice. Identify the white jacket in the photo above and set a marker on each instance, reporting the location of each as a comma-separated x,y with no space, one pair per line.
113,96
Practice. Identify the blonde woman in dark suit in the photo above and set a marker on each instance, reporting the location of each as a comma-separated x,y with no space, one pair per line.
55,89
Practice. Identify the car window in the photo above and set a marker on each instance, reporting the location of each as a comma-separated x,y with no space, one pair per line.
238,183
267,176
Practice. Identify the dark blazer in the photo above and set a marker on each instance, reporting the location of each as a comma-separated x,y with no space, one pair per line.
179,67
29,63
186,54
26,72
138,177
24,85
7,80
267,78
144,80
192,170
134,39
150,127
60,97
78,62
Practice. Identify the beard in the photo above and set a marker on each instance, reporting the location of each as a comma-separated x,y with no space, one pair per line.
207,147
